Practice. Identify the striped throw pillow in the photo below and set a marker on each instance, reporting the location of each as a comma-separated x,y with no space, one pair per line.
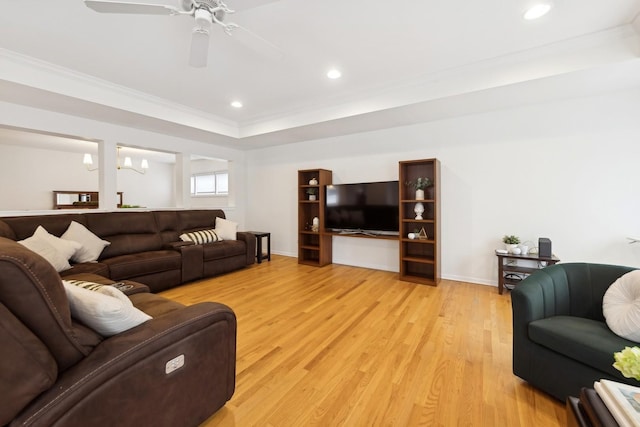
91,286
202,236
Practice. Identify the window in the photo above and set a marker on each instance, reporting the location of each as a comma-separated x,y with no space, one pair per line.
210,184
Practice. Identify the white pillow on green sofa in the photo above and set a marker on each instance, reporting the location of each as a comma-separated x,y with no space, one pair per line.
621,306
104,309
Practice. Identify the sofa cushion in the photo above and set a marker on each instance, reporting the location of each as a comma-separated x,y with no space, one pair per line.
226,229
588,341
104,309
193,219
25,226
99,268
29,368
66,248
155,305
128,232
202,236
46,251
621,306
54,249
91,246
144,263
224,249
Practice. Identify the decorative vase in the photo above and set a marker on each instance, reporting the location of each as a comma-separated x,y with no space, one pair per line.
313,181
510,247
315,224
419,210
312,197
419,194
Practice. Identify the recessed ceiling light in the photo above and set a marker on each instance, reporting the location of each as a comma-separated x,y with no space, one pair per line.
236,104
536,11
334,74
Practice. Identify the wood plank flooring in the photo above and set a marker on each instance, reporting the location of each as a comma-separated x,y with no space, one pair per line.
347,346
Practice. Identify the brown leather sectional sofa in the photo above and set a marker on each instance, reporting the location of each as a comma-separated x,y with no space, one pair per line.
175,369
145,246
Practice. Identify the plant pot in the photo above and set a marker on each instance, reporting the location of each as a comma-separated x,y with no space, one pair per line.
312,197
510,247
419,194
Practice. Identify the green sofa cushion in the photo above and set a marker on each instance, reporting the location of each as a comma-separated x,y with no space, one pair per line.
588,341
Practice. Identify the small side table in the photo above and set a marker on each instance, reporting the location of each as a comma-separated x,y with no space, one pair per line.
503,267
259,254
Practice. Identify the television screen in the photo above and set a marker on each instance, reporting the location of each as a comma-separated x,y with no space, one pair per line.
370,207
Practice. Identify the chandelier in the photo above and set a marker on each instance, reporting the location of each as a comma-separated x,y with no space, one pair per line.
87,160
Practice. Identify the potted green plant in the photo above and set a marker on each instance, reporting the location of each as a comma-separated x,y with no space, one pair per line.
510,242
419,184
312,193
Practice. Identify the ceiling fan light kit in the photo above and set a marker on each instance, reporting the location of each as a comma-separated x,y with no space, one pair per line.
204,12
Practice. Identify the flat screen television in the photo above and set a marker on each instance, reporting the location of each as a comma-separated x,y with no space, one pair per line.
367,208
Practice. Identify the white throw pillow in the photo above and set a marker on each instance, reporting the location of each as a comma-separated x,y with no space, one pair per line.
106,310
91,245
226,229
199,237
621,306
48,252
66,248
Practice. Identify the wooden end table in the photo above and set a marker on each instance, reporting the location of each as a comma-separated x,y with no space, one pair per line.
504,267
259,235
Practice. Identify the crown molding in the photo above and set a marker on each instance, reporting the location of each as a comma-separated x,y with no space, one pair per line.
592,50
117,104
28,71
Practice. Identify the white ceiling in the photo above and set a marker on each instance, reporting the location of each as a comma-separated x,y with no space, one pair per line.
403,62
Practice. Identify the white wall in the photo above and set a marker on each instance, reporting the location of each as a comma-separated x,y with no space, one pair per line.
566,170
153,190
29,177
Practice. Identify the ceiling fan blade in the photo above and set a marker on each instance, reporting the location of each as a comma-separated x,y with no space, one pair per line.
256,43
107,6
199,47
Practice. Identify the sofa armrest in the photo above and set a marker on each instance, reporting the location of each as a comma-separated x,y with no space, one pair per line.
177,245
125,377
538,296
250,241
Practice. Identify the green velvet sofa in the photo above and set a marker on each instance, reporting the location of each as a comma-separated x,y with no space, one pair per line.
561,341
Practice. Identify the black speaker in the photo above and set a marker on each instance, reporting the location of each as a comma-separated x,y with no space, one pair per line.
544,247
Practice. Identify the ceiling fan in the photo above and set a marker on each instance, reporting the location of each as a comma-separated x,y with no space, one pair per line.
205,13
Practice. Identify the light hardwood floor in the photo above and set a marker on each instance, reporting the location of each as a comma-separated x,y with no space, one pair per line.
347,346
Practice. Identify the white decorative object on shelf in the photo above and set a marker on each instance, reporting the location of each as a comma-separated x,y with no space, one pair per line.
412,236
419,210
419,194
313,181
315,225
